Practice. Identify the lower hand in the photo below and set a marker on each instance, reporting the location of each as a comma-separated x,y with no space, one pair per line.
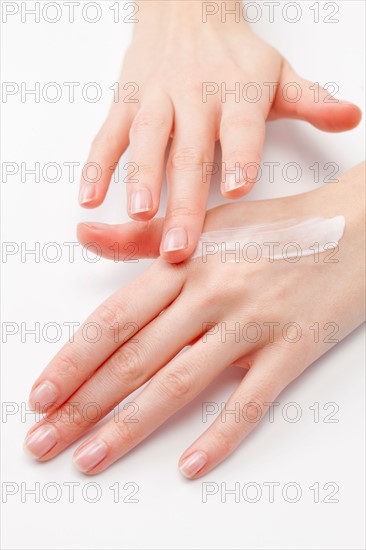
170,307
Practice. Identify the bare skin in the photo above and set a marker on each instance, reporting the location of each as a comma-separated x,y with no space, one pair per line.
170,306
180,71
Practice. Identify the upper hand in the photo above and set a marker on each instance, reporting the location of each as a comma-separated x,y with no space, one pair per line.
181,68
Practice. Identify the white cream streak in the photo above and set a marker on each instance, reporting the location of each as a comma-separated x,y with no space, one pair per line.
276,240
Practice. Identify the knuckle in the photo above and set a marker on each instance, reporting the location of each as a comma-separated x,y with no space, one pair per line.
209,301
146,171
187,159
231,122
126,365
175,384
109,316
145,121
68,366
180,210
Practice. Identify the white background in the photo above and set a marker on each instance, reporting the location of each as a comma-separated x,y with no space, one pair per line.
170,512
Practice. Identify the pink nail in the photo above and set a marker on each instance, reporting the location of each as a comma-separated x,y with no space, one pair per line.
141,201
42,440
232,181
175,239
193,464
90,455
87,193
43,396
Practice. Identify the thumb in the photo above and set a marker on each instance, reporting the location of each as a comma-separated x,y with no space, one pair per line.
128,241
305,100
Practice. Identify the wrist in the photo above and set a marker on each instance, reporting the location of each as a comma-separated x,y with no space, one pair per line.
345,197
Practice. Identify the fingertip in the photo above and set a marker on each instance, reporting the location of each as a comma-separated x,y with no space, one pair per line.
354,115
92,202
237,192
193,465
40,440
143,216
345,117
337,117
81,228
87,194
90,456
94,226
141,204
85,230
176,245
176,257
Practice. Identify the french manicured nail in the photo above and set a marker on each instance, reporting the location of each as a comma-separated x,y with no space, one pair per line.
233,182
39,442
90,456
96,225
193,464
42,395
87,193
141,201
175,239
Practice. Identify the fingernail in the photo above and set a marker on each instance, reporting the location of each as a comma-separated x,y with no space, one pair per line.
42,395
87,193
193,464
141,201
89,456
175,239
232,181
96,225
39,442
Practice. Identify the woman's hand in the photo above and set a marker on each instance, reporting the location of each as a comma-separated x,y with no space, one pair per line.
197,82
141,330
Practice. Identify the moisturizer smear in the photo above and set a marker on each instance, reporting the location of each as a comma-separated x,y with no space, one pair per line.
282,240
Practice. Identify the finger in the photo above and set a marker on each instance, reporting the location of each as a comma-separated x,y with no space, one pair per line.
126,370
123,242
113,323
149,136
107,148
305,100
242,137
169,390
242,413
135,240
192,149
